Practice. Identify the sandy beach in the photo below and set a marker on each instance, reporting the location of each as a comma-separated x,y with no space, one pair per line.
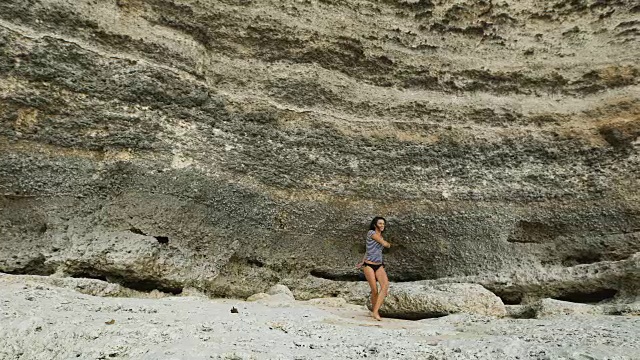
40,321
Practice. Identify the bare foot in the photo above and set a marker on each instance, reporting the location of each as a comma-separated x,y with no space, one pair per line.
376,316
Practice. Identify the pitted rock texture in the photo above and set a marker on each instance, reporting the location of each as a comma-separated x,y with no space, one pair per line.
229,146
420,301
606,283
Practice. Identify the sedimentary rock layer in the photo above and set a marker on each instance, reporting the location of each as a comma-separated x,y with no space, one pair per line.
230,145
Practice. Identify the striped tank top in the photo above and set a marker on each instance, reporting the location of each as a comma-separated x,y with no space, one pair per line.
374,249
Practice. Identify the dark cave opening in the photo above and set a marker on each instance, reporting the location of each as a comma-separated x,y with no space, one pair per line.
323,274
129,281
33,266
162,239
148,285
255,262
415,317
330,274
137,231
582,258
89,276
510,299
588,297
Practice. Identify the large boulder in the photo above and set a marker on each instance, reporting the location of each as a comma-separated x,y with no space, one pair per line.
552,307
258,297
547,308
277,295
93,287
280,289
418,301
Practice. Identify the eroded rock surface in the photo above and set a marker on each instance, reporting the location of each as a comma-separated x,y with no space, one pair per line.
229,146
419,301
599,283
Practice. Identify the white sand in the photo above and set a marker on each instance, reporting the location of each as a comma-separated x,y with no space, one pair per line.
40,321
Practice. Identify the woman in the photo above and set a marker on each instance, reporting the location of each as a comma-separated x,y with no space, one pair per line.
373,266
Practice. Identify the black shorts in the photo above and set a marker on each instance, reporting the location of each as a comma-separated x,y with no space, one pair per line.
375,267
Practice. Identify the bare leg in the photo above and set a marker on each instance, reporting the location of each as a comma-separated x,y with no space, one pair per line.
371,279
381,276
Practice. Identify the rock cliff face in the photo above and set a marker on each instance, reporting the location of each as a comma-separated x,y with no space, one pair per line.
230,145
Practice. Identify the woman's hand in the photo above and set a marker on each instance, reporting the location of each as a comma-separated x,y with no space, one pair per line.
386,244
359,265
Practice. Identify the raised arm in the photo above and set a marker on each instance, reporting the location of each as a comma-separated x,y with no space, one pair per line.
379,239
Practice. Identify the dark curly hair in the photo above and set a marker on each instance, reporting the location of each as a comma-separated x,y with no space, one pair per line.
375,221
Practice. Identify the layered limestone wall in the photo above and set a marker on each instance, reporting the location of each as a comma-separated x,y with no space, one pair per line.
231,145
